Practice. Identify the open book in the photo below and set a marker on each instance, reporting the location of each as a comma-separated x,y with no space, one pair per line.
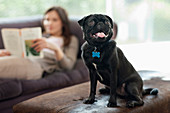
18,41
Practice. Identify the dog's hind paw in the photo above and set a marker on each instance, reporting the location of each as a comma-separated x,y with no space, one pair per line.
111,104
89,101
154,91
132,104
104,91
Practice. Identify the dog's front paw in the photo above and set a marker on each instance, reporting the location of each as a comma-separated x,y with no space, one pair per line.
112,104
89,101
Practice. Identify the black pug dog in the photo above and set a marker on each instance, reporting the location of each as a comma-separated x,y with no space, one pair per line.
107,63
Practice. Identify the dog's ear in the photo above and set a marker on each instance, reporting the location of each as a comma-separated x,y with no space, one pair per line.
111,21
81,21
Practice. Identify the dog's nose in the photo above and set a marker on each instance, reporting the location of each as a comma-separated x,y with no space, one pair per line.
100,25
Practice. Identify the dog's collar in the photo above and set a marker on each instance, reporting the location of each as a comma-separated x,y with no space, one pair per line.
95,49
101,45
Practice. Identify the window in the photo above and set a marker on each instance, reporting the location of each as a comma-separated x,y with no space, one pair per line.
17,8
142,20
138,20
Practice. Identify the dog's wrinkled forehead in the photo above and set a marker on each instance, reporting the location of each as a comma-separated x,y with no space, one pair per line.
96,17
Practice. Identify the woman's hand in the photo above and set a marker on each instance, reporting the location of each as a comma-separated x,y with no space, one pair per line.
41,43
4,53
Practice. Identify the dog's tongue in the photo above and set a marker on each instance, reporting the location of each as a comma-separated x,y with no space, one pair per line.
101,35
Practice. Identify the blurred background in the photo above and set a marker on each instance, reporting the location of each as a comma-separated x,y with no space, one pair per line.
143,25
138,20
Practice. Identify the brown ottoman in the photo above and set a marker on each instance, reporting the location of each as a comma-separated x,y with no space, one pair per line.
70,100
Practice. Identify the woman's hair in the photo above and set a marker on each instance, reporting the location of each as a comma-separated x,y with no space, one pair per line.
65,22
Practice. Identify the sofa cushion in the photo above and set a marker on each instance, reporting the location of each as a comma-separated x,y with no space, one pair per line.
57,80
76,30
9,88
70,100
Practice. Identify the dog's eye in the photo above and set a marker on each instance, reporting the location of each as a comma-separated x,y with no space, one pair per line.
91,23
107,22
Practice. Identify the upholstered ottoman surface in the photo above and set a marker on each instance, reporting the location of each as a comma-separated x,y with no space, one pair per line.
70,100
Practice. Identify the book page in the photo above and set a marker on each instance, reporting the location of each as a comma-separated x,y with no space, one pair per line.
29,34
12,41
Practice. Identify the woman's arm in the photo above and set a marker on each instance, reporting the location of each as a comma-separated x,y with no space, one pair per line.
67,58
70,54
